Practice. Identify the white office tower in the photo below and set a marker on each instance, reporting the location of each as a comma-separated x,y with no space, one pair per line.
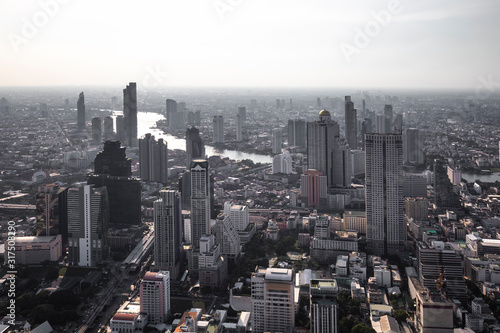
323,304
211,265
282,163
239,128
168,231
351,123
297,133
413,147
273,305
227,237
386,229
200,201
155,296
88,218
277,141
153,156
238,214
218,129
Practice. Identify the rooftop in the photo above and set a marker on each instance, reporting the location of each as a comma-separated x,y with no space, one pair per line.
279,274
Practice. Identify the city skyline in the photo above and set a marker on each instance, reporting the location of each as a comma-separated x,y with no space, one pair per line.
382,44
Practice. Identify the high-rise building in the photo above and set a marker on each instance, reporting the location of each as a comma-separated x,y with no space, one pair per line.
153,156
273,304
212,266
388,119
323,305
108,128
242,111
397,124
239,128
218,129
88,217
130,114
120,128
168,232
313,188
386,229
195,149
96,130
227,237
44,110
80,107
155,296
200,201
366,128
437,260
413,146
321,135
277,140
282,163
238,214
113,169
171,112
351,123
48,211
66,105
297,133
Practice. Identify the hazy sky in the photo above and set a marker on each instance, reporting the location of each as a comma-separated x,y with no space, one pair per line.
250,43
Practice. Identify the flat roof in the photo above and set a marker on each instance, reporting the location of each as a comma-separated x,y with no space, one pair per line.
35,239
279,274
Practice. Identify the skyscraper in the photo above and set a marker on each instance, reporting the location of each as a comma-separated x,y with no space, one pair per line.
80,107
413,146
227,237
273,304
200,200
313,188
88,217
168,231
239,215
153,156
239,128
297,133
108,128
155,296
388,119
351,123
386,229
323,305
195,149
113,169
96,130
130,114
321,143
171,112
242,111
282,163
218,129
277,140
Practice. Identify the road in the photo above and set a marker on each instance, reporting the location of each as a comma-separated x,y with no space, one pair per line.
118,278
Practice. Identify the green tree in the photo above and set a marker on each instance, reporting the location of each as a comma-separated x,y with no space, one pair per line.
362,328
400,315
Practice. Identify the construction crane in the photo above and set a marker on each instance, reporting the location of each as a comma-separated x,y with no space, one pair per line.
440,282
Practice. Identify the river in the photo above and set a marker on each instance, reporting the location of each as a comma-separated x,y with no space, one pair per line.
491,178
146,123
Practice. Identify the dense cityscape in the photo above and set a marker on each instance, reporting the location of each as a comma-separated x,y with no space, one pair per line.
231,166
198,212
